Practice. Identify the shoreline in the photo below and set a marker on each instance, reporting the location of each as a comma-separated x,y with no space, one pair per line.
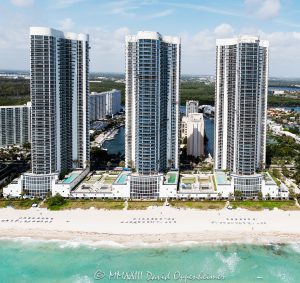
150,241
155,227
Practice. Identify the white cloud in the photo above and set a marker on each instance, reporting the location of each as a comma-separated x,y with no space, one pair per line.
22,3
263,9
62,4
107,48
224,30
66,24
124,8
198,50
160,14
204,8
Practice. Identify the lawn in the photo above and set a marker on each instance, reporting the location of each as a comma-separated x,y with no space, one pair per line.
268,204
188,180
18,204
198,204
142,205
274,178
86,204
171,178
109,180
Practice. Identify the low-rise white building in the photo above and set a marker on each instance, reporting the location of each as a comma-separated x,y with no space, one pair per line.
62,187
116,185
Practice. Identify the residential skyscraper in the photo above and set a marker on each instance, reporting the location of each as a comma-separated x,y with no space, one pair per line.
15,124
240,110
59,64
192,106
152,105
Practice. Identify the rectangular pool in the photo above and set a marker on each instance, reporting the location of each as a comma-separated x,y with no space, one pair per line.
122,179
71,178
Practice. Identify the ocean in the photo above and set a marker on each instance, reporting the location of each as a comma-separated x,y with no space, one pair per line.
32,261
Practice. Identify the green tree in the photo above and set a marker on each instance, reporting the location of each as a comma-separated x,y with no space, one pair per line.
260,195
56,202
238,194
292,194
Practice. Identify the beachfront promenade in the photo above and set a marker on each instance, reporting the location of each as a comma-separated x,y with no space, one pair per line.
152,225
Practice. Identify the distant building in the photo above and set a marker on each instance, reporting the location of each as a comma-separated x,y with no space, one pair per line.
192,106
15,124
97,106
113,102
104,104
240,110
195,134
276,92
152,109
183,127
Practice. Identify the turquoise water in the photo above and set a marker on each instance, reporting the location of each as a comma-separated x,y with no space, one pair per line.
121,179
29,261
221,178
71,178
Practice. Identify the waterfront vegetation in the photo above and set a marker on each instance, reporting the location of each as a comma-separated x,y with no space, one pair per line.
283,157
14,91
106,85
18,203
198,204
59,203
265,204
200,91
142,205
17,91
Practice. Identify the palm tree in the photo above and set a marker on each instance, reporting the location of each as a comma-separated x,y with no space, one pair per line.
260,195
238,194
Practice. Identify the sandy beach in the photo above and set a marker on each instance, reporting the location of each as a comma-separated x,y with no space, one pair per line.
153,226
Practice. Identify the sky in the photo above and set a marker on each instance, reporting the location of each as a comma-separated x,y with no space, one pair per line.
198,22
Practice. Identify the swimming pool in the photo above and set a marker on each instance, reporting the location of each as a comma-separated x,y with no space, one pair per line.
122,179
71,178
221,178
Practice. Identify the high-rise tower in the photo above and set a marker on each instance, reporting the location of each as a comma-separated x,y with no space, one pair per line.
59,64
152,103
241,109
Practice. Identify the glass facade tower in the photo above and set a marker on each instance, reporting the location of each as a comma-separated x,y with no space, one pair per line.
59,64
152,103
241,109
